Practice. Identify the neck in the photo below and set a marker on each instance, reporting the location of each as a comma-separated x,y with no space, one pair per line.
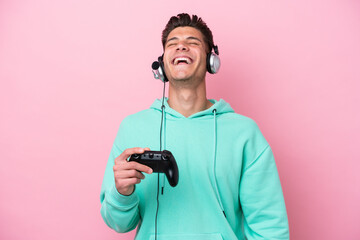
188,101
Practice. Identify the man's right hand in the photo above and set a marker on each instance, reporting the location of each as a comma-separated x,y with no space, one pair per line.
127,174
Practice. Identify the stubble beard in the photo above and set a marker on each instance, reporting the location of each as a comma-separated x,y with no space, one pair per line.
191,81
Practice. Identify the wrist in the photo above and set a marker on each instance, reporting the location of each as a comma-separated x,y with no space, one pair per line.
127,191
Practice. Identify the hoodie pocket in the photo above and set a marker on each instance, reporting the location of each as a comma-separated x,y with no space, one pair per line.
196,236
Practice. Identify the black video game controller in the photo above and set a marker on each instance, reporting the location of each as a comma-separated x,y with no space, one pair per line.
159,161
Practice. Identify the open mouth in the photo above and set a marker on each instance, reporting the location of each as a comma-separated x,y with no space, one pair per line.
182,60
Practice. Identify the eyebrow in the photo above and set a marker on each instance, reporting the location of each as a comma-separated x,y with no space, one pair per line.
188,38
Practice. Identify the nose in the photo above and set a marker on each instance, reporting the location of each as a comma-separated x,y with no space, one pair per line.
182,47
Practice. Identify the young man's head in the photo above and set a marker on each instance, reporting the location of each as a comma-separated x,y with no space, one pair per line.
184,20
186,41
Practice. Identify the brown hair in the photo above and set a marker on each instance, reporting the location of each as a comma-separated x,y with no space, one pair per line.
184,20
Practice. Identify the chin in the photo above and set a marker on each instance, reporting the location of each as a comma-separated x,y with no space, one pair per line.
181,81
181,77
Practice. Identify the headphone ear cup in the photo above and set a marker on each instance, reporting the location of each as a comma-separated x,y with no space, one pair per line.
162,69
208,68
212,63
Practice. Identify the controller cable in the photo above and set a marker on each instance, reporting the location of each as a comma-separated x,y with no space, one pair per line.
158,180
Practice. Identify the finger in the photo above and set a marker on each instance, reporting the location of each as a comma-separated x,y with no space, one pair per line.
132,166
129,174
130,181
126,154
137,166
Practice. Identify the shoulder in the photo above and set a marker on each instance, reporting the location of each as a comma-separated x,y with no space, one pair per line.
139,116
136,121
141,119
239,121
242,127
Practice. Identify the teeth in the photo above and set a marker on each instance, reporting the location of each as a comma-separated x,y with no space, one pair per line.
177,60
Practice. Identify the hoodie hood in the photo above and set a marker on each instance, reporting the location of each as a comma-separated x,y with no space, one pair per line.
220,106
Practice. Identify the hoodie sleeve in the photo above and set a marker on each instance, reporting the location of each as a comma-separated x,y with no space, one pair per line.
262,199
119,212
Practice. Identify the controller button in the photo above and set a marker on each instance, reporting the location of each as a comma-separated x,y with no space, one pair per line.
151,155
165,157
136,156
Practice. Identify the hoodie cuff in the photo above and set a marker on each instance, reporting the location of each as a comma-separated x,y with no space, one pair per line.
121,201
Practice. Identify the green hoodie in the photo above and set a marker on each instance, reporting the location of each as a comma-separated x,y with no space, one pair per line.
228,186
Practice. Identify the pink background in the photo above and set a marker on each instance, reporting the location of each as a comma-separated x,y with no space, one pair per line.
70,71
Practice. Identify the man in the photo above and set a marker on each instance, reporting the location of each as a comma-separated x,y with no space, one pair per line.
228,182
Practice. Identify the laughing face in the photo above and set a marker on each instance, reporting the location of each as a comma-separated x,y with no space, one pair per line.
185,55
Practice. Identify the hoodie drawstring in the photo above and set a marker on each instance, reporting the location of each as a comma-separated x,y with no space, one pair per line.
214,165
162,146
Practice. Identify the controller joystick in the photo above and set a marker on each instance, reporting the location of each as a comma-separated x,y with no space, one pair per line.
159,161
